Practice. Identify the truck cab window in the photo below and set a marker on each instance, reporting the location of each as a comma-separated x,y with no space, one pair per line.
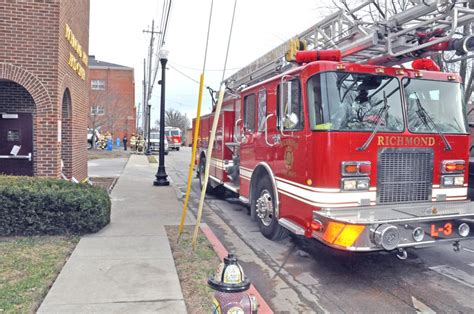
262,109
341,101
290,110
249,112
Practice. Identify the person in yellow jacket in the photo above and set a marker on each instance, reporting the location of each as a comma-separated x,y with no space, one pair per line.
140,144
133,143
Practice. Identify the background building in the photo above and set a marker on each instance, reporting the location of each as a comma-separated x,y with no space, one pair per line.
112,98
43,87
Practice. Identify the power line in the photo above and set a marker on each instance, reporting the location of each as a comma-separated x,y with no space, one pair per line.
196,69
184,74
190,78
228,42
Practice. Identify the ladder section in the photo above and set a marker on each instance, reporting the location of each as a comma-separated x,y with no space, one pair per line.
366,35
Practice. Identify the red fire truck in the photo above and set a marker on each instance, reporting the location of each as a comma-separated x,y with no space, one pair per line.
346,146
173,135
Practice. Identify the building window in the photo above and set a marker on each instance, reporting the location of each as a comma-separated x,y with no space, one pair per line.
97,111
98,84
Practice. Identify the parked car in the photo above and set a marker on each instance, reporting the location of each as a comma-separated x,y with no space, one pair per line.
155,142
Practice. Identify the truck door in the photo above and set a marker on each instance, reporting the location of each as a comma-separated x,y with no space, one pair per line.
247,139
290,149
16,131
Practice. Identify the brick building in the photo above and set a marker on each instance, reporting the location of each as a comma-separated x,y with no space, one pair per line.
112,98
43,87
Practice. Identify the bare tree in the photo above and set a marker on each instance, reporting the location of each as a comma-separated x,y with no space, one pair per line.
176,119
107,112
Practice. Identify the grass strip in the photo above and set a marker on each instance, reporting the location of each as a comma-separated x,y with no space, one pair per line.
194,268
28,268
152,160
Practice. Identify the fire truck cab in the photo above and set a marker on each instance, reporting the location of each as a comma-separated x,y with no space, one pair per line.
173,135
334,136
360,157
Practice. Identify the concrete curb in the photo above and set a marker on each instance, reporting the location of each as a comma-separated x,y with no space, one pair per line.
221,251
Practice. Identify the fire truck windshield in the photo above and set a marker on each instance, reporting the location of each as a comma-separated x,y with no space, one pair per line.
172,132
155,136
354,102
435,105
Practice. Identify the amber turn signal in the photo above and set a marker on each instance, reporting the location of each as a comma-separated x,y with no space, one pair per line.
342,234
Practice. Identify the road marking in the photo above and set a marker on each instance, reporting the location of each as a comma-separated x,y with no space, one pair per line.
420,306
468,249
455,274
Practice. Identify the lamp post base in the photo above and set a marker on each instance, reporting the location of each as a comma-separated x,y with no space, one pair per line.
161,178
161,182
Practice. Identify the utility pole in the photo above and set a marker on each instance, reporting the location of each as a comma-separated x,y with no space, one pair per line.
138,117
147,104
144,123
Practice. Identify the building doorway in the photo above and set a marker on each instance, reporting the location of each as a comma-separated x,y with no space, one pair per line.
66,135
17,109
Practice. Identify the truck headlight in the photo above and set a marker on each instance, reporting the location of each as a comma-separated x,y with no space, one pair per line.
355,184
464,230
452,180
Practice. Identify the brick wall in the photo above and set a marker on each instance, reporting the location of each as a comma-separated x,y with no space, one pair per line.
34,53
118,100
76,14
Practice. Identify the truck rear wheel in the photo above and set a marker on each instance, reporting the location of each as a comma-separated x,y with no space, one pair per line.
264,206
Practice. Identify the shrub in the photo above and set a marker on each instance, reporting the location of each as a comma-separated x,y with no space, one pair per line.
32,205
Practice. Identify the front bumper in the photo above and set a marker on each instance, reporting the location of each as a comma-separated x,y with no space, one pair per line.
430,217
156,147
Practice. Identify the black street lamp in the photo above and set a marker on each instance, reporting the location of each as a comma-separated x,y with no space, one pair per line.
161,176
148,146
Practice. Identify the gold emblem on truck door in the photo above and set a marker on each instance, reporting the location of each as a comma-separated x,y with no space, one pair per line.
289,158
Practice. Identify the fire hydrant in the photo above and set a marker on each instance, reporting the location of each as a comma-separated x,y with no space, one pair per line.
230,285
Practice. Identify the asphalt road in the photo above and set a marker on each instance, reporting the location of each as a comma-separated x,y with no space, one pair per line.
301,275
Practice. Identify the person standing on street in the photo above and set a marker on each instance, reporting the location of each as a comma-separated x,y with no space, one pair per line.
125,142
133,143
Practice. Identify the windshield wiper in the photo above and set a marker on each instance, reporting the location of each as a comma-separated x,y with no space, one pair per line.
381,112
425,118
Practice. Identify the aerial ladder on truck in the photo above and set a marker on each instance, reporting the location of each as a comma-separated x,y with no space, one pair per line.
427,29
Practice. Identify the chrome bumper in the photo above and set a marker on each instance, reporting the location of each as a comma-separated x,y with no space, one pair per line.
404,217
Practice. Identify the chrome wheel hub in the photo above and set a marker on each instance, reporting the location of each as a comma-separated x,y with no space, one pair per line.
265,208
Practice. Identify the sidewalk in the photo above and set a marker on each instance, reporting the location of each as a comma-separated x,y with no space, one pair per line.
128,266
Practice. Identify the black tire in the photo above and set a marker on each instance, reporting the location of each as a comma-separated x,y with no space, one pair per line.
268,222
177,148
202,166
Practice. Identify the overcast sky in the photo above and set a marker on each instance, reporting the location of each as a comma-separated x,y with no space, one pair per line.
116,35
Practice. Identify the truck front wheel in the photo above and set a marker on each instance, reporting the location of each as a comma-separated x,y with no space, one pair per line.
264,205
